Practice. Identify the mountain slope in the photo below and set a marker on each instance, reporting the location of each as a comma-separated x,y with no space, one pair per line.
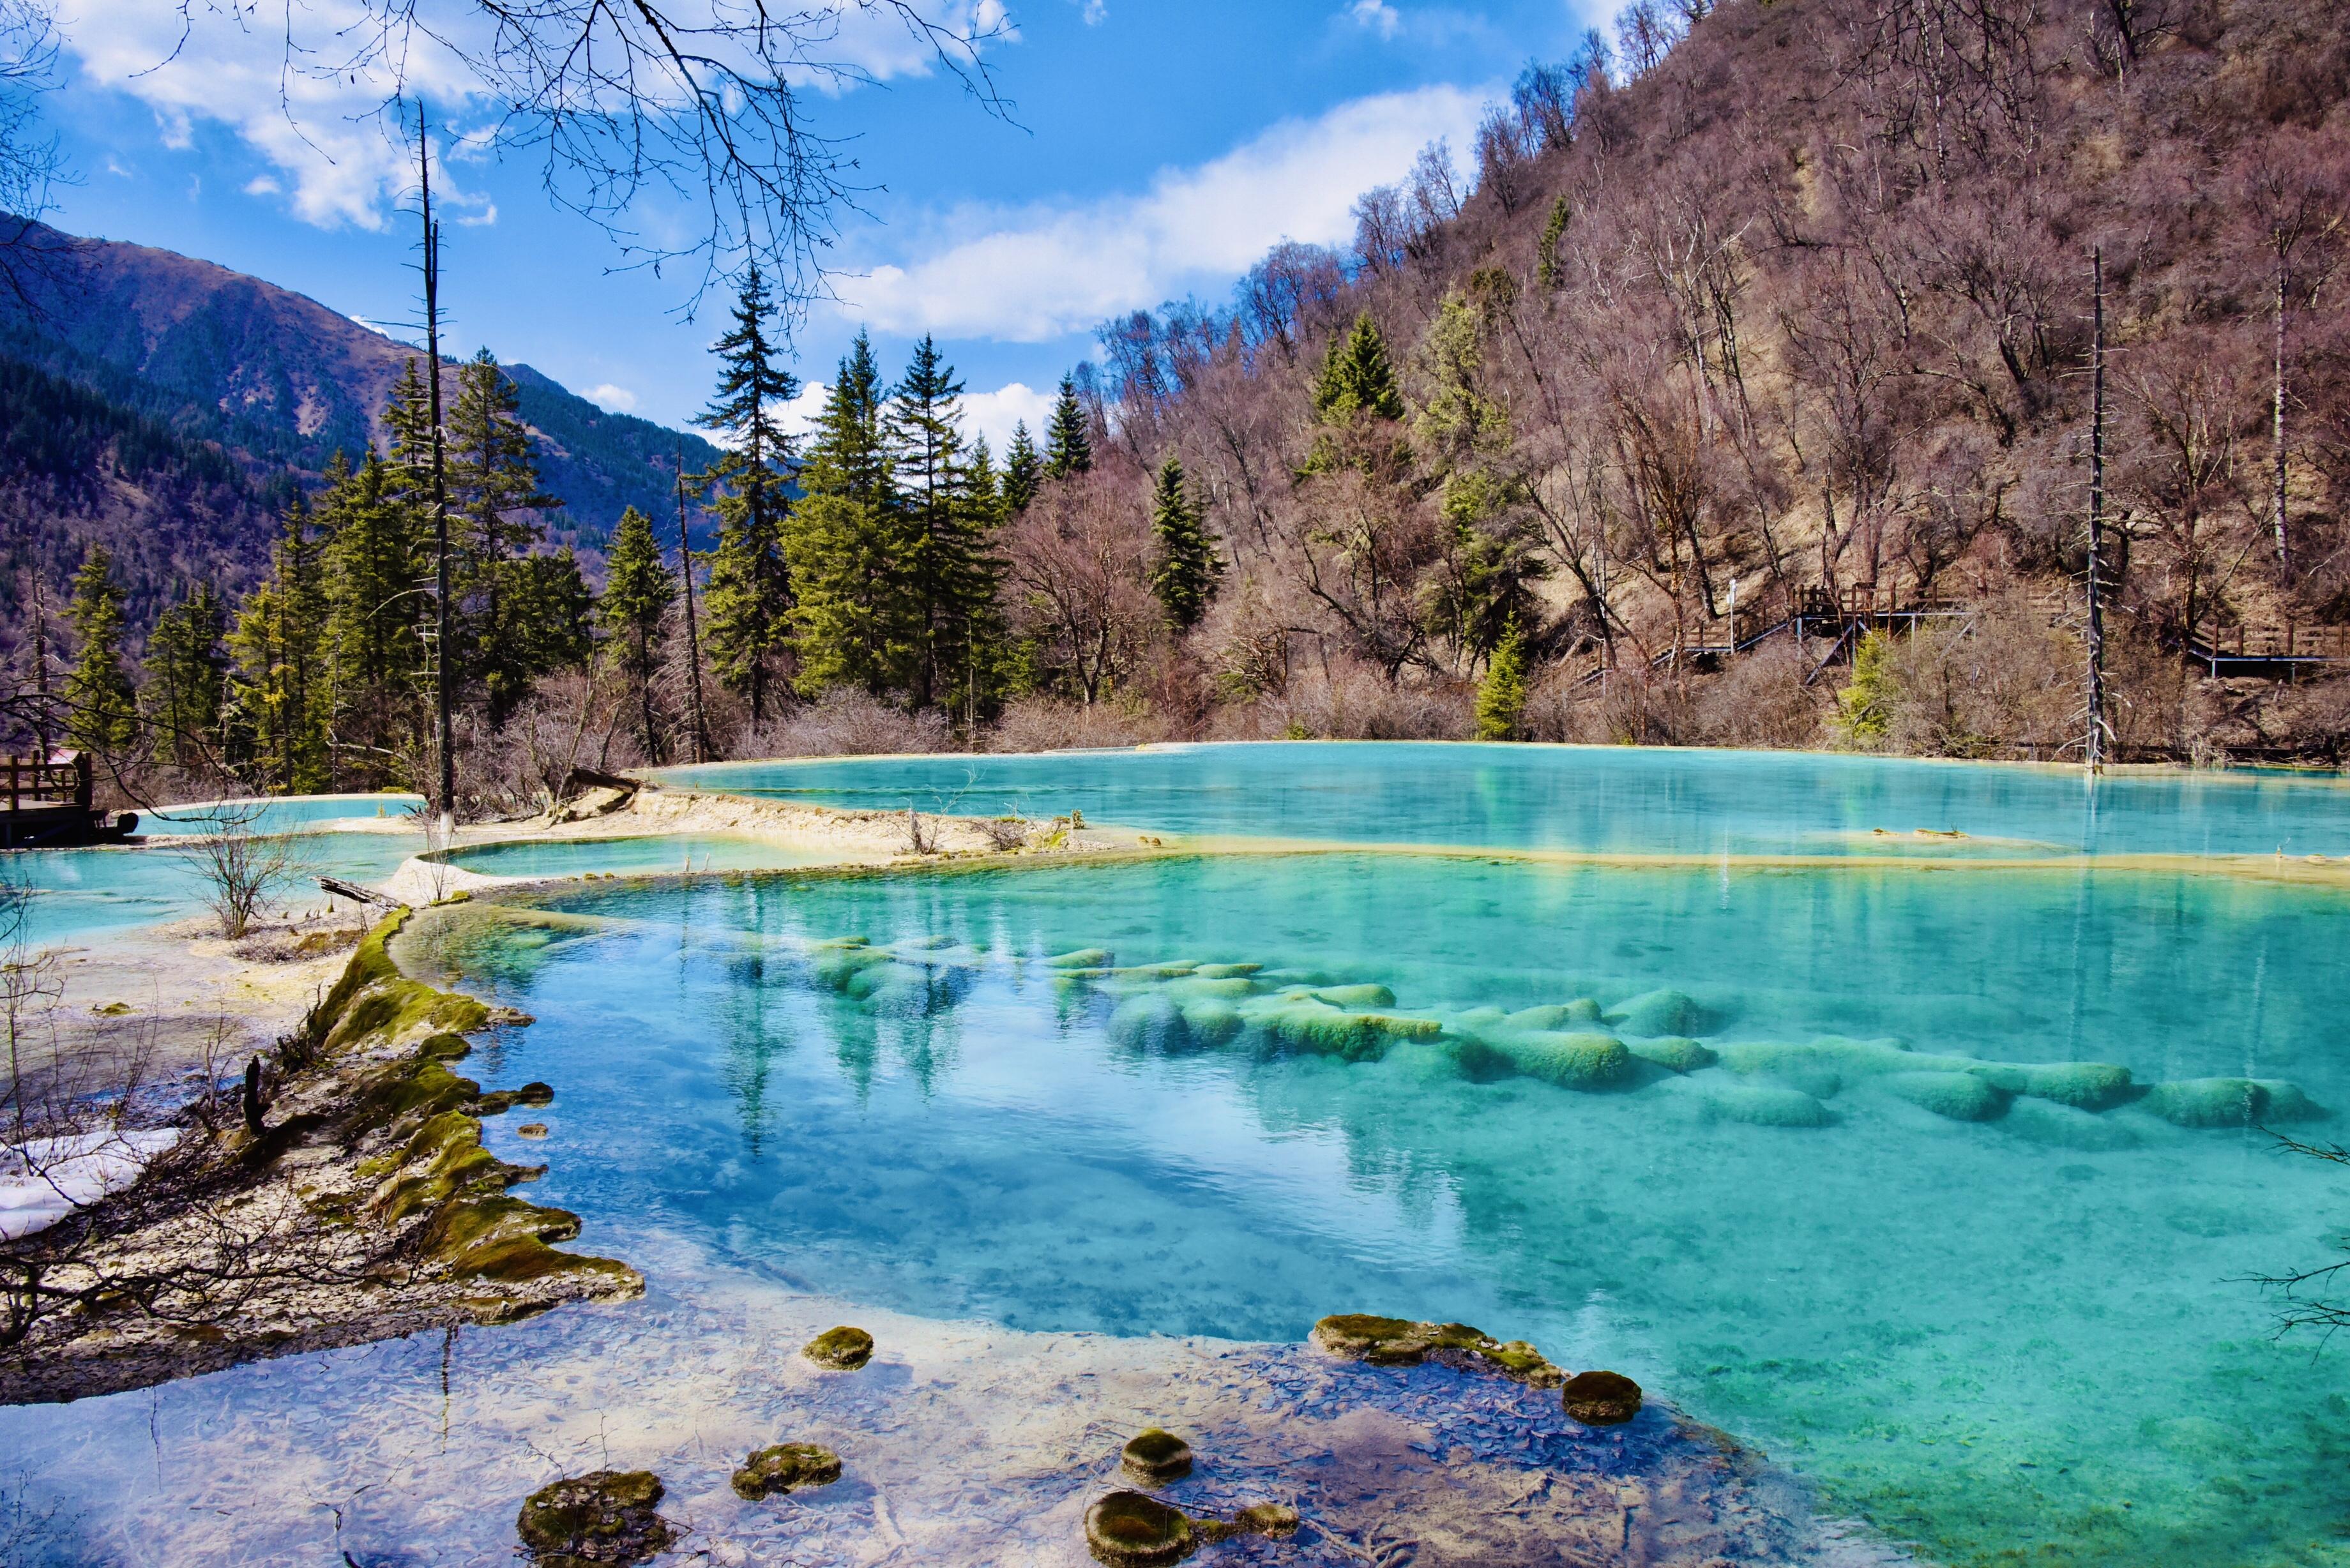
274,383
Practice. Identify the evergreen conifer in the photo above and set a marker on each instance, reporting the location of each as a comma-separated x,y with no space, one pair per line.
185,667
949,576
1185,576
850,546
100,714
1023,471
282,695
1502,698
638,588
1068,441
1357,377
748,601
494,494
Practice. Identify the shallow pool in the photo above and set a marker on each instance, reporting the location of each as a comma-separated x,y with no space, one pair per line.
1598,799
606,856
2006,1316
79,893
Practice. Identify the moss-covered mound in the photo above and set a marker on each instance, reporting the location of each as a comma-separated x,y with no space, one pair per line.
786,1467
1601,1398
1156,1456
1129,1530
843,1349
605,1518
1401,1342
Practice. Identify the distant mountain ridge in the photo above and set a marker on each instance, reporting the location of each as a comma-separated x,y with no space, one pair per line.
272,379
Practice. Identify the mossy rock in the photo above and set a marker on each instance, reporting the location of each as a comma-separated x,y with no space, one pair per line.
1156,1456
2231,1103
1083,958
1226,971
1359,997
1570,1061
2084,1085
1276,1520
1382,1341
1676,1052
1193,988
1601,1398
1129,1530
1766,1105
1657,1012
1318,1029
607,1517
1210,1024
1401,1341
1149,1022
1567,1015
1959,1096
843,1349
786,1467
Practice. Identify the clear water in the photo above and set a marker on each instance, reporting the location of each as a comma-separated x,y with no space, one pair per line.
80,893
2026,1340
605,857
290,815
1629,800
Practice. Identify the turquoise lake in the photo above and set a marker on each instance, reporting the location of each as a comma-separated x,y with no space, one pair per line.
2023,1330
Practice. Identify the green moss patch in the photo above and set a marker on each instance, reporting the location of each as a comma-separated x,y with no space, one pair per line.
843,1349
1154,1457
607,1517
1601,1398
1401,1341
785,1468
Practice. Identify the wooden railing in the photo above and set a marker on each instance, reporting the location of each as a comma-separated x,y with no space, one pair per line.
62,780
2286,642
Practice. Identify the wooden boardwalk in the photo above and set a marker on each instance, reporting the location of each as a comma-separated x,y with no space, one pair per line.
48,804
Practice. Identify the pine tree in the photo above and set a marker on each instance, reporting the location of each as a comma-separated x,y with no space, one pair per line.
493,489
748,601
949,576
185,668
100,713
1023,471
1185,577
280,645
1357,377
850,544
1548,271
1501,699
638,588
554,611
1068,441
376,561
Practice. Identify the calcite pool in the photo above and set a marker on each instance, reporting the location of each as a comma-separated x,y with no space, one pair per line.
1925,1164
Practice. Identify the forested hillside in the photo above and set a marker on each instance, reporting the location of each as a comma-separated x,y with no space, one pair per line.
1783,373
1795,295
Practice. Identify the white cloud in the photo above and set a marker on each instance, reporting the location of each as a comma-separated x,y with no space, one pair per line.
1095,11
1376,15
262,185
335,160
1036,274
612,398
990,414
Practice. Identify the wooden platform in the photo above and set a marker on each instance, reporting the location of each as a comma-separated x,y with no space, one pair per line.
47,804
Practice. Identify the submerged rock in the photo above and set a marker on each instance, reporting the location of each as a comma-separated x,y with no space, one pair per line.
1401,1342
1129,1530
605,1518
1156,1456
1559,1015
785,1468
2061,1126
2084,1085
844,1349
1960,1096
1657,1012
2231,1103
1580,1060
1676,1053
1601,1398
1766,1105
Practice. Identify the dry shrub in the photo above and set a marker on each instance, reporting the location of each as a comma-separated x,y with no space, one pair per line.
1042,723
1761,701
845,723
2001,682
1346,700
1632,706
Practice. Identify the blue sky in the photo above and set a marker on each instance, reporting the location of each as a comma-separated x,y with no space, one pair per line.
1153,150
